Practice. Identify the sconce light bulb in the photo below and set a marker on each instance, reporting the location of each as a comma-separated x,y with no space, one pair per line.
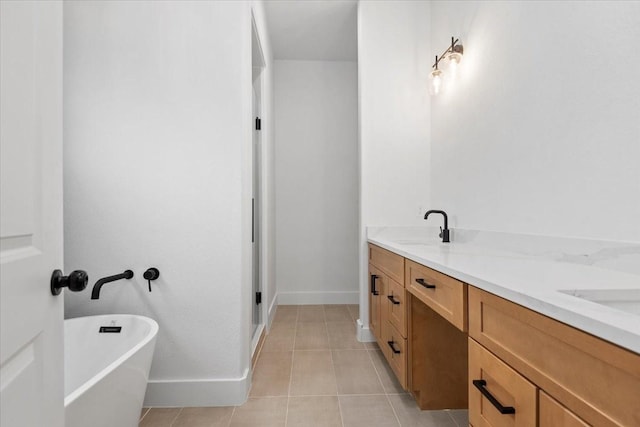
435,82
453,60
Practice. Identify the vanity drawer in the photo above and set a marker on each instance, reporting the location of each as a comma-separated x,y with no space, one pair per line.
389,263
397,307
395,350
554,414
503,387
445,295
596,380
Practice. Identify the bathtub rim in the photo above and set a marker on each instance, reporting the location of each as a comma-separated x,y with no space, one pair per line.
153,332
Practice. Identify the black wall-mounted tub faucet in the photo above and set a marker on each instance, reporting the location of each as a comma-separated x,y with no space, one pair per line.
95,293
444,233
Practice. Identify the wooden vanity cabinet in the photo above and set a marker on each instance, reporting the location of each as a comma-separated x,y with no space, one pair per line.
584,378
387,308
437,338
452,345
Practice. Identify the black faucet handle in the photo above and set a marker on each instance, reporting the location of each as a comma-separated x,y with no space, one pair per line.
445,235
151,274
440,235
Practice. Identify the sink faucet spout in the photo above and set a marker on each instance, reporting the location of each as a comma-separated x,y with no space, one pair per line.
444,233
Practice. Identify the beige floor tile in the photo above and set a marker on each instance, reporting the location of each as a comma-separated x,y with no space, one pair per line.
204,417
342,336
311,336
387,376
367,411
312,374
311,313
355,373
160,417
272,374
316,411
460,416
263,412
337,313
409,414
354,311
286,314
280,338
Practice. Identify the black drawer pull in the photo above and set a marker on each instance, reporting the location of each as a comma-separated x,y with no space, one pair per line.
393,300
425,284
393,347
480,385
374,291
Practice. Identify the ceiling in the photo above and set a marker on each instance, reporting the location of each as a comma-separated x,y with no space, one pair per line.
316,30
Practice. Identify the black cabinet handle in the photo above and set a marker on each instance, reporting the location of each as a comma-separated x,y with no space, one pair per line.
393,300
373,284
481,385
393,347
425,284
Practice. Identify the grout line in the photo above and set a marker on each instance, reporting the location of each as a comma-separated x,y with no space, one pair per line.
233,412
144,414
333,366
395,414
393,410
452,419
377,373
293,355
176,417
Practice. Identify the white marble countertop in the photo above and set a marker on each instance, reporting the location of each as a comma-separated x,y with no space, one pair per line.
537,272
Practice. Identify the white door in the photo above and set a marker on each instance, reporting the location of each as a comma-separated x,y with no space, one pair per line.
31,336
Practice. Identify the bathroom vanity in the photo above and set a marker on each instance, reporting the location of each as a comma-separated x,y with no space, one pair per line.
499,331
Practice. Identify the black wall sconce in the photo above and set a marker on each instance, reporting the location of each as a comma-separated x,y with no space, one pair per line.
452,57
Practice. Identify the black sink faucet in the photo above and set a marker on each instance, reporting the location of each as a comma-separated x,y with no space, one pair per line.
444,233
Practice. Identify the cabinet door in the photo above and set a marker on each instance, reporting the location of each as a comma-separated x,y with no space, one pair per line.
376,294
553,414
394,347
498,395
395,303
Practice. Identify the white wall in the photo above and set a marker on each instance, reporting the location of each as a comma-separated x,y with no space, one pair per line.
542,133
393,37
158,173
316,176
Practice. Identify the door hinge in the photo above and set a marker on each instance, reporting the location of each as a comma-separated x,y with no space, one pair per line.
258,123
258,298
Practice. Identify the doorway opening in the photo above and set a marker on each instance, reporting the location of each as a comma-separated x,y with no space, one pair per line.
257,77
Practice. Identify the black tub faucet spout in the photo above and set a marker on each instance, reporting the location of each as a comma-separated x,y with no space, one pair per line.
444,233
95,293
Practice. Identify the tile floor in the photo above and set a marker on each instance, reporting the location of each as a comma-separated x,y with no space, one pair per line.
312,371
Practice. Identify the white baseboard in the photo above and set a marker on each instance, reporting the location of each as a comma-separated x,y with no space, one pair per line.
364,333
328,297
223,392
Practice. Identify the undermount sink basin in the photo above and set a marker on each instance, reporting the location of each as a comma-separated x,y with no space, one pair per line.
426,242
621,299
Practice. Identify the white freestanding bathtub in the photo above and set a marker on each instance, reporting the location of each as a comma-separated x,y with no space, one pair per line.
106,373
